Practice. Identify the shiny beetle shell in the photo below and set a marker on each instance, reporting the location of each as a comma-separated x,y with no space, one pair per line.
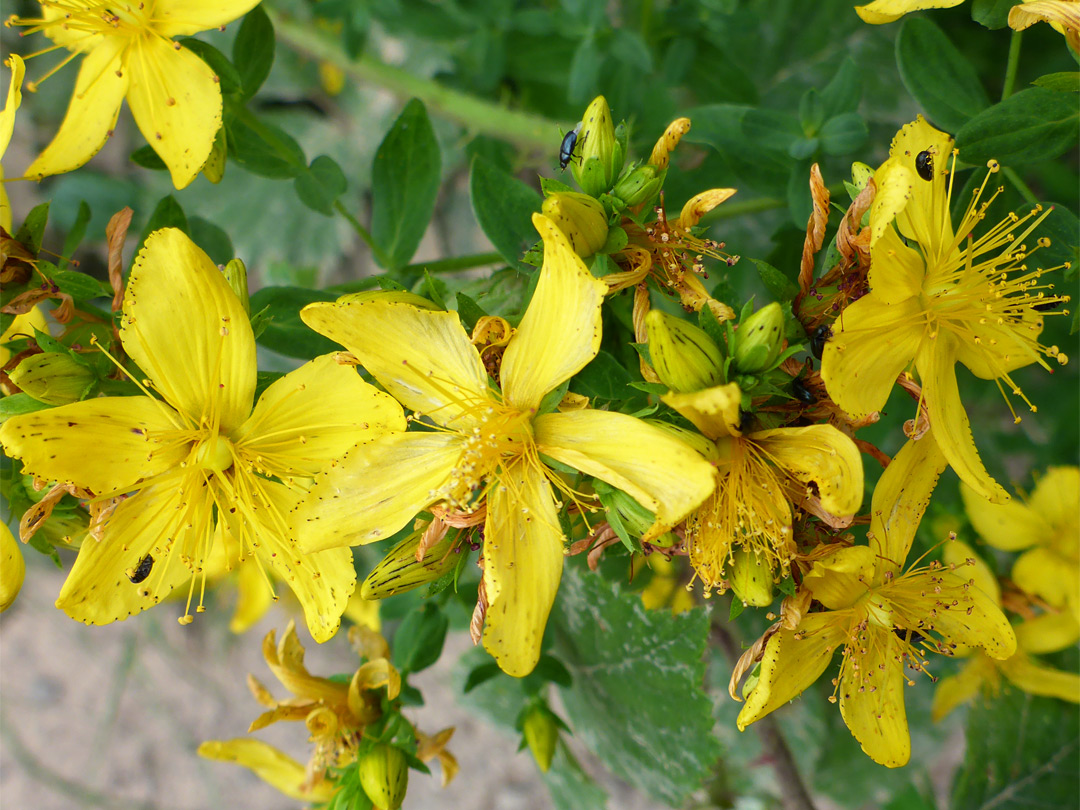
568,145
142,570
924,165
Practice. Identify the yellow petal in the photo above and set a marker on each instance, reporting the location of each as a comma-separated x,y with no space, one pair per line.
701,204
185,328
820,454
176,101
560,331
363,611
286,661
991,350
1049,576
1038,679
936,364
316,414
1057,499
926,216
105,445
91,114
374,675
963,686
1008,526
792,661
895,184
872,700
653,467
254,597
321,580
1063,15
180,18
896,271
957,552
423,358
900,500
270,765
523,560
12,567
14,99
886,11
1047,633
713,411
393,477
872,343
842,577
98,589
5,223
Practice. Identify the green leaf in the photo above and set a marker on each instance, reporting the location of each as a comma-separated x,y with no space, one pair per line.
503,206
843,92
211,238
771,129
1032,125
405,182
603,378
1022,753
262,148
33,228
664,745
80,286
77,231
419,639
321,184
146,157
992,13
843,134
219,63
811,112
1062,228
780,287
584,71
253,51
18,404
469,311
938,75
285,333
167,214
1060,82
480,674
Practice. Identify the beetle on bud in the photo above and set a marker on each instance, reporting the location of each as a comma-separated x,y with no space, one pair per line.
600,151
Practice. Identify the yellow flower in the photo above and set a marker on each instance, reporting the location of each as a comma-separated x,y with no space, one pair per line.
887,11
489,444
7,126
130,51
274,767
1046,633
874,612
1048,527
12,567
22,326
942,299
198,467
761,474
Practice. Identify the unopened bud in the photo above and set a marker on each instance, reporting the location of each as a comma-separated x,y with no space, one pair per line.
384,776
580,217
214,168
640,185
685,358
758,340
541,735
235,273
12,567
860,173
600,153
53,378
751,578
399,571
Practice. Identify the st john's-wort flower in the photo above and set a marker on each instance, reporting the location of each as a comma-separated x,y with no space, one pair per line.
883,617
940,296
489,445
7,127
192,464
132,50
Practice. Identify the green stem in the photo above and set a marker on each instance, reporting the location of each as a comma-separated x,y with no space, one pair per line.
530,132
457,263
755,206
362,232
1012,66
1021,186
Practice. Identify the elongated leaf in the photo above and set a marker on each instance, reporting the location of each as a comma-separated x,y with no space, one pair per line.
263,148
1035,124
284,332
619,652
253,51
937,75
320,186
504,207
405,181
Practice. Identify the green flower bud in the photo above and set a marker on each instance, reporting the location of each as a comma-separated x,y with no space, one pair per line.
541,735
53,378
236,274
751,577
685,358
758,340
599,152
580,217
640,185
860,173
400,571
384,776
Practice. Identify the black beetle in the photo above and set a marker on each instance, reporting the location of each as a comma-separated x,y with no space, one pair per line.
924,165
818,339
801,392
568,145
142,570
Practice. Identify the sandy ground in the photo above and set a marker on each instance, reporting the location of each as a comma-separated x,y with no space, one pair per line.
110,717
